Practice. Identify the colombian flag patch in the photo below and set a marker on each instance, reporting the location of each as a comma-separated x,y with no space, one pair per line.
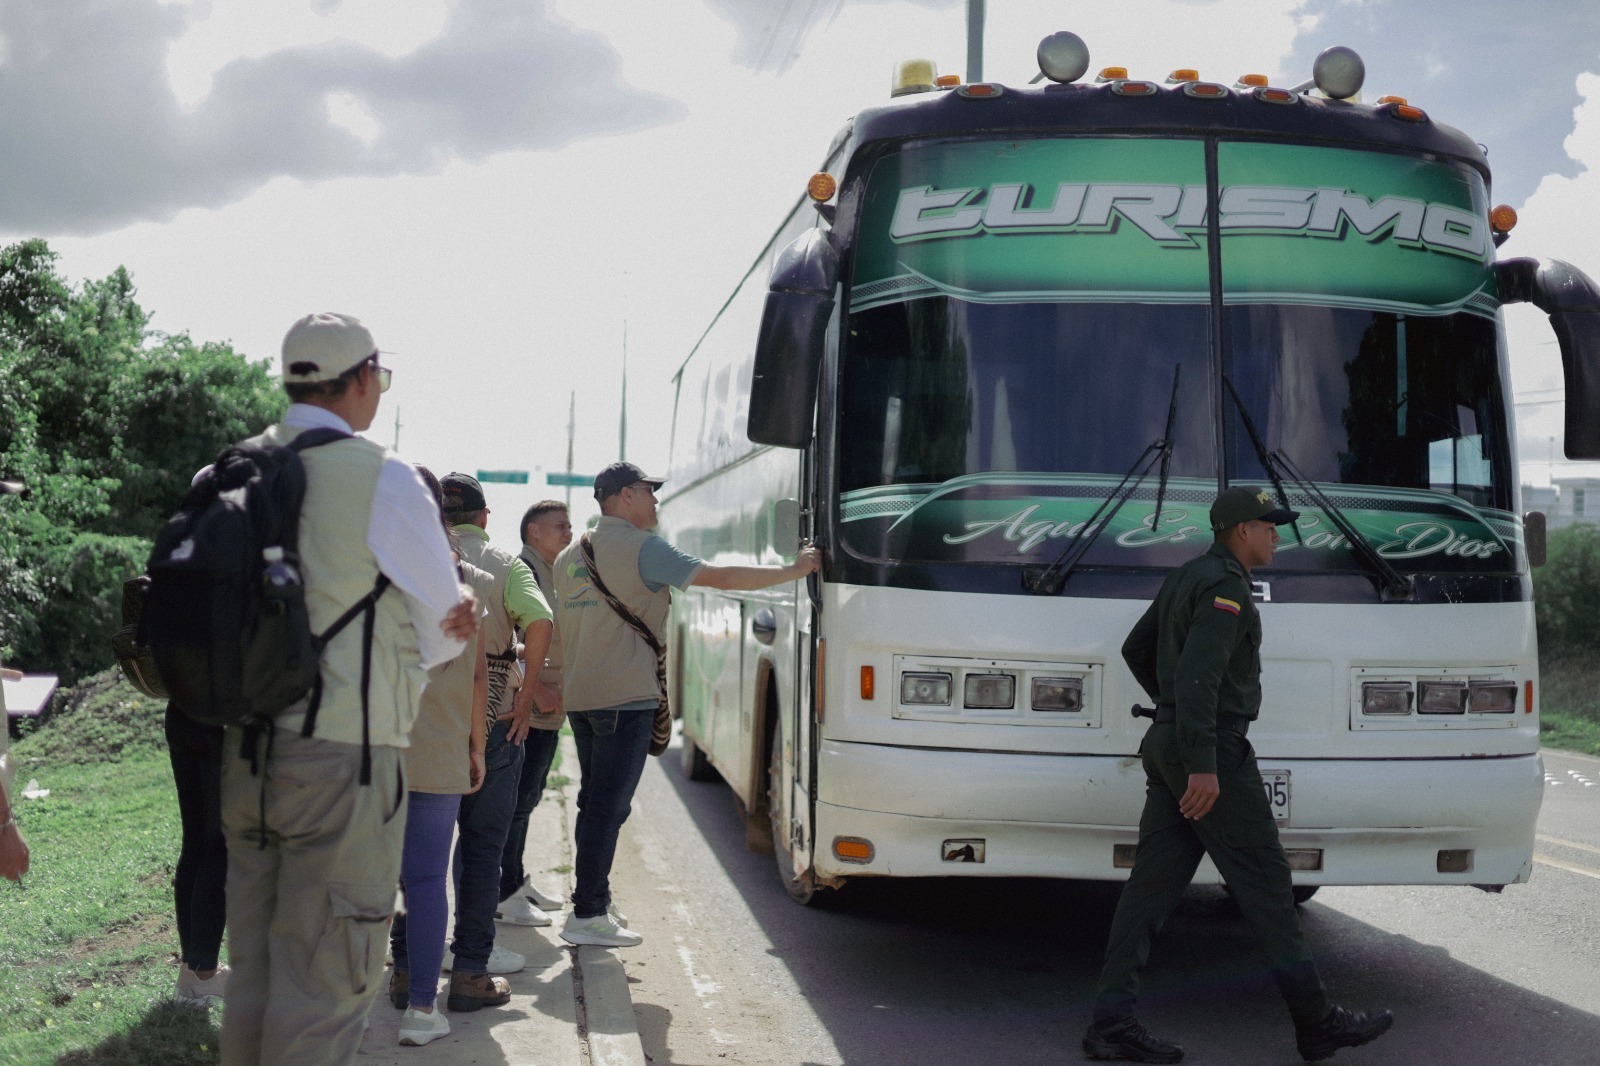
1222,603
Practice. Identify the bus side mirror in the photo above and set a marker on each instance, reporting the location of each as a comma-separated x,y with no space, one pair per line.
1572,300
786,527
1534,541
794,331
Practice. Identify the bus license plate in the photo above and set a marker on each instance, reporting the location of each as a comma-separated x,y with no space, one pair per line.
1276,783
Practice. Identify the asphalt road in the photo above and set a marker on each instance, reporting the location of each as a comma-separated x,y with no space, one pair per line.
945,971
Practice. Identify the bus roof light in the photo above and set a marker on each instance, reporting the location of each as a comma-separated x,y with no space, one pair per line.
1183,74
1134,88
1064,58
1503,219
947,81
1392,100
913,76
1276,96
822,186
1111,74
1408,113
1205,90
1339,72
1251,81
981,90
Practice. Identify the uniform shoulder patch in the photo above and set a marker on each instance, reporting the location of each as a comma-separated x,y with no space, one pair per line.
1222,603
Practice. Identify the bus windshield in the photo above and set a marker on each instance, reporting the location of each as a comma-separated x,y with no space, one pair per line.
1019,313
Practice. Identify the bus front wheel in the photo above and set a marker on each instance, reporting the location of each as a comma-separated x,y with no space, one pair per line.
800,887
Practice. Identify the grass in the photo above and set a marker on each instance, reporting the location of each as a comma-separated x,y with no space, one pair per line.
88,946
1569,707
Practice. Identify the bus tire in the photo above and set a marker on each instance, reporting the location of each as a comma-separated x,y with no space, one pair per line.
696,767
800,887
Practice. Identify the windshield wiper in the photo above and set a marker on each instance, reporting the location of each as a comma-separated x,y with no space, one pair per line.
1050,580
1392,585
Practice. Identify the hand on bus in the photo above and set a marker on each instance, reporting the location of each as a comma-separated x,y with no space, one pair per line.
1200,796
809,561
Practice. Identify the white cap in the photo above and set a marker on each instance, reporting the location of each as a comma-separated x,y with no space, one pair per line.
320,347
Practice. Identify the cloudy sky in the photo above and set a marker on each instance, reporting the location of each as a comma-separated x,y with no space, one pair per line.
504,189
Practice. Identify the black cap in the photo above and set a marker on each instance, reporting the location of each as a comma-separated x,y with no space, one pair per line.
462,494
618,476
1240,504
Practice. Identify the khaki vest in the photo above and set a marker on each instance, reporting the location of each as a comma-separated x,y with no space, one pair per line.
339,569
496,630
441,738
604,663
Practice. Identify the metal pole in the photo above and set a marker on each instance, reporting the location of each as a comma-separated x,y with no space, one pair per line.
975,13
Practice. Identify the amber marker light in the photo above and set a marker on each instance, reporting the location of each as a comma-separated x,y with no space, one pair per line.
1391,100
1503,219
1252,81
1407,112
1527,696
822,186
1112,74
1183,74
853,849
947,81
869,684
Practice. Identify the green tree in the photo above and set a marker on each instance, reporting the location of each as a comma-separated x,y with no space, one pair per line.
107,422
1567,593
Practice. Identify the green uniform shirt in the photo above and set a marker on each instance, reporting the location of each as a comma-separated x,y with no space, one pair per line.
523,600
1198,649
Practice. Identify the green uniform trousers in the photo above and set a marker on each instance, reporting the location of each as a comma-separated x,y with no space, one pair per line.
308,915
1242,840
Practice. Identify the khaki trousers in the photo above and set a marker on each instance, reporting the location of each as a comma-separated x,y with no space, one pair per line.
309,913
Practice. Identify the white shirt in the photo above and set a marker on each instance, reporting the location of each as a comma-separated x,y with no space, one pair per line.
407,538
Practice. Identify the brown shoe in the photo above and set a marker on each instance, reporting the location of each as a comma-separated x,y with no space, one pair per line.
400,989
469,991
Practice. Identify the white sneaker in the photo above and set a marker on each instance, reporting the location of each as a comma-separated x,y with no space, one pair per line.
191,989
539,899
501,960
418,1028
617,916
518,910
601,930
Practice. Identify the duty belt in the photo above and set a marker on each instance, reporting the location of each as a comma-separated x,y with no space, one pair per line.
1166,713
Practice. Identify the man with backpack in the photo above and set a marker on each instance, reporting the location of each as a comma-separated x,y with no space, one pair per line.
314,799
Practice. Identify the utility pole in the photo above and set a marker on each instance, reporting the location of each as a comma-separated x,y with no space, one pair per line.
622,421
975,14
572,429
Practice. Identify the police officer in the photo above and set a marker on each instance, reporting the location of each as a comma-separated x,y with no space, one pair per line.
1196,651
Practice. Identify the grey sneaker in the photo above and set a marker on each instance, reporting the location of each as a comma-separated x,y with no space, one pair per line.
537,898
601,930
191,989
519,910
418,1028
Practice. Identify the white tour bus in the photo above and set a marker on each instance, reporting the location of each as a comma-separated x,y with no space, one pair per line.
997,364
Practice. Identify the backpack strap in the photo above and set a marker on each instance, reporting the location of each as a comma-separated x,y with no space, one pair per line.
367,607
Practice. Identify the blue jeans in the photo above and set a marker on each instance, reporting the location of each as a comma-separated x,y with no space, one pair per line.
538,752
612,746
200,883
430,818
485,817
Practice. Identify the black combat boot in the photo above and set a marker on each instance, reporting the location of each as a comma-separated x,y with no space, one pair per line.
1341,1028
1126,1040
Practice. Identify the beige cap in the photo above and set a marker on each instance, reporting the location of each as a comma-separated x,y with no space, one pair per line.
322,346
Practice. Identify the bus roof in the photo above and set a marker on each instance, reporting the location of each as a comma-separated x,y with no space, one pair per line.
1098,109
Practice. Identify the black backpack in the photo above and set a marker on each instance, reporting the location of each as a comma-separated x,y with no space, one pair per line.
224,606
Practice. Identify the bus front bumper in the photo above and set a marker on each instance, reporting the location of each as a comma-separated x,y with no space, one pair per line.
937,813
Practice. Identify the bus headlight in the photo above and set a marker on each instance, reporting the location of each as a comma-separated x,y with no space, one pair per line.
1442,697
989,691
1058,693
1386,697
929,690
1492,697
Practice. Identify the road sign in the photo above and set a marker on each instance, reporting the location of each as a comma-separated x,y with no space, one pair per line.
580,481
511,477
